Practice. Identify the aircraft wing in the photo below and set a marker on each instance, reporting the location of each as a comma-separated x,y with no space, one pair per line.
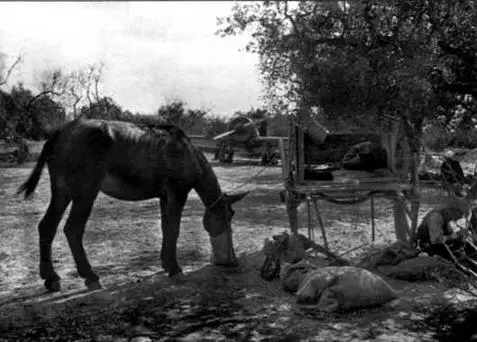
271,139
224,135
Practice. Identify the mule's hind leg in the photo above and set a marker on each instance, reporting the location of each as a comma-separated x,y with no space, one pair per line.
47,231
74,230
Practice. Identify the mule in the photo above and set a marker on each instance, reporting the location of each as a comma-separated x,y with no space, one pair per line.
131,163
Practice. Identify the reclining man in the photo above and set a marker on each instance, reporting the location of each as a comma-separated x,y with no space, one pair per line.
436,236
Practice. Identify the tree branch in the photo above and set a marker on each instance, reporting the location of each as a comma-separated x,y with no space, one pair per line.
10,70
469,58
461,88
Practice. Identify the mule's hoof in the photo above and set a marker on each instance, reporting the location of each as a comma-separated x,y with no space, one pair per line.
93,285
52,285
178,277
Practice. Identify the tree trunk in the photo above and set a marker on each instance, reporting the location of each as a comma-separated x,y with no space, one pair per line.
401,225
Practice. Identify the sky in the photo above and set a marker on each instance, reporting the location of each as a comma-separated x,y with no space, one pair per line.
153,52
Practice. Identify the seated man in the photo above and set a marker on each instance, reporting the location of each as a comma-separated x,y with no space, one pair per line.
451,171
452,174
436,236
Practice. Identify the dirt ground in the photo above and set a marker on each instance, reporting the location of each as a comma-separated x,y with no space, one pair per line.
140,303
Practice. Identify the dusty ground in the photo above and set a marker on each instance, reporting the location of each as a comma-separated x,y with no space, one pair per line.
214,304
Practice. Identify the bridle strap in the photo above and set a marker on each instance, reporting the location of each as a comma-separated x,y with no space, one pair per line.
215,202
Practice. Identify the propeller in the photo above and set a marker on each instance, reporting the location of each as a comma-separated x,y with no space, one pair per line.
241,129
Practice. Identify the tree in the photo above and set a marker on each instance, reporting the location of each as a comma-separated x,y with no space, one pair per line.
363,58
33,116
190,120
103,108
75,88
7,131
369,59
5,69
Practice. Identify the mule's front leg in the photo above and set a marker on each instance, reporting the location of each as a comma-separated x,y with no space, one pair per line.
171,210
74,230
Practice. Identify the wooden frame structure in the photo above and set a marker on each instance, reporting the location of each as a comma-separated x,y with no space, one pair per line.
347,191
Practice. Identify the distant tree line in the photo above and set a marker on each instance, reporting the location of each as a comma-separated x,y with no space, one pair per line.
62,96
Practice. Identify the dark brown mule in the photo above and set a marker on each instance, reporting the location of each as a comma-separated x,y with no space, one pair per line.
129,163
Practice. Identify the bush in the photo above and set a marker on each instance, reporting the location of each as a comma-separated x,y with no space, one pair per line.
215,125
463,139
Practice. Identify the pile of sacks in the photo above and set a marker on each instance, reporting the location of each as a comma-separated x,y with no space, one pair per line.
400,261
334,288
329,288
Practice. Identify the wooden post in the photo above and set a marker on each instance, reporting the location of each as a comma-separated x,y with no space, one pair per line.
311,234
300,154
290,154
390,141
284,158
292,213
415,204
320,221
373,229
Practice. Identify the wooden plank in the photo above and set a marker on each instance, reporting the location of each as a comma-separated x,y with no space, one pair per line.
351,187
311,230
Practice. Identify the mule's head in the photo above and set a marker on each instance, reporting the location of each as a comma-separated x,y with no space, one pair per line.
218,223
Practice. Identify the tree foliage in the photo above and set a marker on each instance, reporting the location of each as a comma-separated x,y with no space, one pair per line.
75,88
190,120
24,114
363,59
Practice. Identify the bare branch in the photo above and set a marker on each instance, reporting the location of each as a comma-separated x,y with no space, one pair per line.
10,70
292,21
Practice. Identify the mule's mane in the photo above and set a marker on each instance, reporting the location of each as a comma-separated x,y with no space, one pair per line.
207,187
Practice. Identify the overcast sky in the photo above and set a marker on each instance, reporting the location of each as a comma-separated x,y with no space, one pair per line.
153,51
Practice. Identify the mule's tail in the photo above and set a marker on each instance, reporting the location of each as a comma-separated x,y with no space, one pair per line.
46,153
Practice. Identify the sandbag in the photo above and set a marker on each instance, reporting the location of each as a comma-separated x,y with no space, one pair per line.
292,275
420,268
342,288
271,267
387,255
283,248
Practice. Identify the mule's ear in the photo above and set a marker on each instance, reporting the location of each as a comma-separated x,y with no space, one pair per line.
235,197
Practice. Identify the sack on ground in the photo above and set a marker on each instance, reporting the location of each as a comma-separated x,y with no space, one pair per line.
417,269
292,275
343,288
283,248
387,255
